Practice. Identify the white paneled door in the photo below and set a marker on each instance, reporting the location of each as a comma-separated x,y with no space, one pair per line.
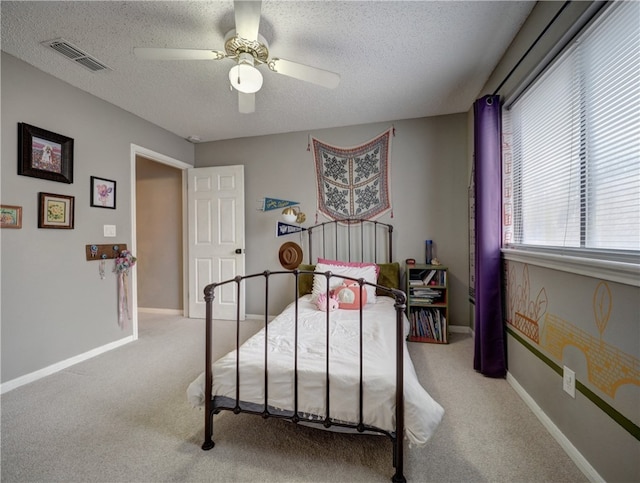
216,238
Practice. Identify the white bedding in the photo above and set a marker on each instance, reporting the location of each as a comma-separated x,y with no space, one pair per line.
422,413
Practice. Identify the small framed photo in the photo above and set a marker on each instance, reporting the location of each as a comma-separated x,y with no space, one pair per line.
55,211
10,216
44,154
103,193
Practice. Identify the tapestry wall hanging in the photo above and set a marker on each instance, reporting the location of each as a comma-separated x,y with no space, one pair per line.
353,182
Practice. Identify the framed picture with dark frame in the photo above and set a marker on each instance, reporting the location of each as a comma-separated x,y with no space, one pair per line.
103,193
44,154
10,216
55,211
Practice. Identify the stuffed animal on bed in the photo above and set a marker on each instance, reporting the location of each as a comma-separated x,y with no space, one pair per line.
349,296
332,302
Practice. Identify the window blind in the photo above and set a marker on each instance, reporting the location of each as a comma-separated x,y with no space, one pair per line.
571,150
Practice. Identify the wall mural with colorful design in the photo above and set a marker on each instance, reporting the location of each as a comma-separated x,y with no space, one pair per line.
583,326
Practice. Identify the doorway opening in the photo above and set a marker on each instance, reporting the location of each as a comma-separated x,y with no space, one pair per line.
159,237
158,233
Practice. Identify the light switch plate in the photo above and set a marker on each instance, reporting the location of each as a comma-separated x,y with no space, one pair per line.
109,230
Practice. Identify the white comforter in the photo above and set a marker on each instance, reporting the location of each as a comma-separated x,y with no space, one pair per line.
422,413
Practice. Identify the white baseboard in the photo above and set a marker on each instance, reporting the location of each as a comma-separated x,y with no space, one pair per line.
58,366
151,310
562,440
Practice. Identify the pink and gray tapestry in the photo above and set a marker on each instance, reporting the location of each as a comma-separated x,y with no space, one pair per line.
353,182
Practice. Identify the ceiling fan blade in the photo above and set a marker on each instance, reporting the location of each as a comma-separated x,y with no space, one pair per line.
247,15
306,73
155,53
246,103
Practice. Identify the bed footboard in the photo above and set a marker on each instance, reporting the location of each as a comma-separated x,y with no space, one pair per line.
236,405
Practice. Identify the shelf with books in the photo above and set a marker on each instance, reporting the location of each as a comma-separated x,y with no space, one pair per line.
427,303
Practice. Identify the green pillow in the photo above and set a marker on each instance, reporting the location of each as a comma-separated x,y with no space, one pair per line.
305,280
389,276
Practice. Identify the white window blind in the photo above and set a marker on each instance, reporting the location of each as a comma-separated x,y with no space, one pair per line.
572,144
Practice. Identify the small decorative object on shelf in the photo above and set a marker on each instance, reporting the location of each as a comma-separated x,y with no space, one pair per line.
428,251
427,302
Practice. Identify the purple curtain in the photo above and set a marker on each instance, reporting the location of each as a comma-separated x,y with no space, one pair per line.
489,356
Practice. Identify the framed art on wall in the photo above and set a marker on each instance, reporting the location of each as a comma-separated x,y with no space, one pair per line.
10,216
55,211
44,154
103,193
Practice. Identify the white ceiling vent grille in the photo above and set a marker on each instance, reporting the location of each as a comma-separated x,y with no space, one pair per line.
72,52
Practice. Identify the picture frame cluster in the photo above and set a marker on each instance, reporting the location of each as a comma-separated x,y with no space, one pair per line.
48,155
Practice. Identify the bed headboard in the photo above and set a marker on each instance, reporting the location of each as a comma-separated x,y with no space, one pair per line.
351,240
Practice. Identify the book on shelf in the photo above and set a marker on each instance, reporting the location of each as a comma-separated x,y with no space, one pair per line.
416,276
427,277
429,324
425,295
425,300
428,291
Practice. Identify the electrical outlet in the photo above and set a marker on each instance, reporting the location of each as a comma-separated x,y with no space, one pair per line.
569,381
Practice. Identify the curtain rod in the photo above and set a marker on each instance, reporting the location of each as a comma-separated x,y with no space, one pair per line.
555,17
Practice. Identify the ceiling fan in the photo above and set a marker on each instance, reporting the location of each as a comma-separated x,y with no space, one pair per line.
248,49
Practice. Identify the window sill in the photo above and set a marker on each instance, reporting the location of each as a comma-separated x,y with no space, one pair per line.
621,272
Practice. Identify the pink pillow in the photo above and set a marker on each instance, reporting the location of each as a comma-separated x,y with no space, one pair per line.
341,263
320,280
348,296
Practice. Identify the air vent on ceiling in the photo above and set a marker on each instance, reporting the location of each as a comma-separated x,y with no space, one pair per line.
72,52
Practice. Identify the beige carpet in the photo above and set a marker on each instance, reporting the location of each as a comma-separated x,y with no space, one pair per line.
123,417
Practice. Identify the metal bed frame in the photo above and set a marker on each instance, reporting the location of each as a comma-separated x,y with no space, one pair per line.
351,229
216,405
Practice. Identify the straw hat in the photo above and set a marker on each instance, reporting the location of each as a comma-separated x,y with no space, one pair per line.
290,255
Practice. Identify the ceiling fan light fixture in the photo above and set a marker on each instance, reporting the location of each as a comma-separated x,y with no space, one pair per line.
244,77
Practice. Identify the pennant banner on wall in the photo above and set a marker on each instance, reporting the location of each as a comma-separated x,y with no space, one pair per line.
353,182
283,229
274,204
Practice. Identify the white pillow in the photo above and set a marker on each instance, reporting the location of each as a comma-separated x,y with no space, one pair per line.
320,281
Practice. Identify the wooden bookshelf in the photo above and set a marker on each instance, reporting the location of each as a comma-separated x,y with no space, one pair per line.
427,292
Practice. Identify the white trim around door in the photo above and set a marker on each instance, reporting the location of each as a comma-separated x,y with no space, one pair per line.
160,158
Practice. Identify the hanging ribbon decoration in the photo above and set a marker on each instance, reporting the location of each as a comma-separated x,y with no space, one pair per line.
124,262
123,300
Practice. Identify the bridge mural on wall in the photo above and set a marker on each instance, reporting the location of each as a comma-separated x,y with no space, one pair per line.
608,368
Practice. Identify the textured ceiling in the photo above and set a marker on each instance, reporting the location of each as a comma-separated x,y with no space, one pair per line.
397,60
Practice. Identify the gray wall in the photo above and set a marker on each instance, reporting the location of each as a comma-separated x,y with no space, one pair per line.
608,448
54,304
602,351
159,235
428,192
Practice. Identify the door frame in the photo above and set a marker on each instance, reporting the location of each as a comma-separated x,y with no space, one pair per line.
163,159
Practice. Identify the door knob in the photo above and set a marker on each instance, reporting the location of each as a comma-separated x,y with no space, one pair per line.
239,251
